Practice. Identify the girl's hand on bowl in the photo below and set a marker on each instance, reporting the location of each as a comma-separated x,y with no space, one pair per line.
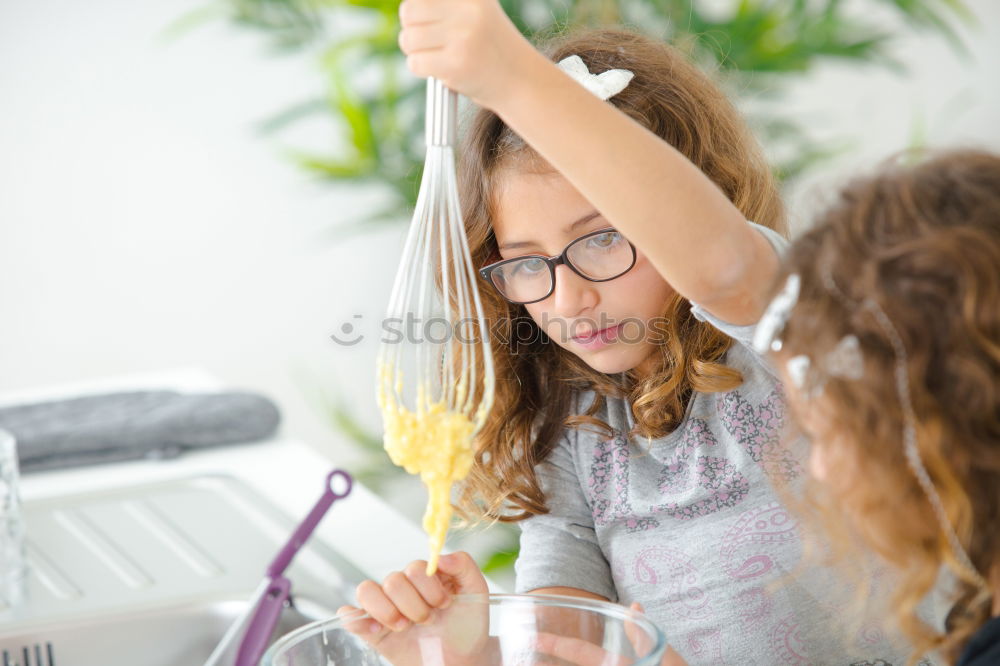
411,596
407,602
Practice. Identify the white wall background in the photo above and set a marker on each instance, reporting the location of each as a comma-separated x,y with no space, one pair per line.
144,225
944,99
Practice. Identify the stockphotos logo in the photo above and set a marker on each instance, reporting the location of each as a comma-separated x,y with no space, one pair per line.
349,334
412,329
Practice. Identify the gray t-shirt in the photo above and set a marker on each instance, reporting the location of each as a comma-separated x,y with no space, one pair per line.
690,525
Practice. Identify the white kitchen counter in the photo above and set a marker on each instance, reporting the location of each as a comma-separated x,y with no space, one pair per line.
363,528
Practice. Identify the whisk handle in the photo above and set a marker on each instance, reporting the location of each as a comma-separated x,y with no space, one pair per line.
442,110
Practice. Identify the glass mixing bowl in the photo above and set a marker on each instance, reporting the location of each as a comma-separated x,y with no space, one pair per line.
481,629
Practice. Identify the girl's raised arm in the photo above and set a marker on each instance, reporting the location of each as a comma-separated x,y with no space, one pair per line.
696,238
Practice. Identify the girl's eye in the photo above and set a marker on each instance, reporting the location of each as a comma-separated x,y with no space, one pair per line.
528,267
605,241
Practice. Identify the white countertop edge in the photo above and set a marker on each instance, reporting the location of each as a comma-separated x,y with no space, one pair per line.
363,528
289,474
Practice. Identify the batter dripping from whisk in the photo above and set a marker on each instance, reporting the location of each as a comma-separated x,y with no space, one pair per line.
434,442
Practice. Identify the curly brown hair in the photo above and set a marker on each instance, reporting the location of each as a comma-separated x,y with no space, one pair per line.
536,381
923,242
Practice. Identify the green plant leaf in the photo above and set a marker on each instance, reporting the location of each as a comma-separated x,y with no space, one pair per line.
501,560
355,169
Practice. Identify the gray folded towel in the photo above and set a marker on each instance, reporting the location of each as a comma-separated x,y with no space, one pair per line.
136,424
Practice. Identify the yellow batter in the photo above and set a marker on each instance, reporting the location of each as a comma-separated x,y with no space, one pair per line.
434,442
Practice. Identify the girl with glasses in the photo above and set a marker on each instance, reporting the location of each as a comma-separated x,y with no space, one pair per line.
626,227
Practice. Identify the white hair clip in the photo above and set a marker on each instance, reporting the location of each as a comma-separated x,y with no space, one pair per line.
797,368
605,85
845,360
767,334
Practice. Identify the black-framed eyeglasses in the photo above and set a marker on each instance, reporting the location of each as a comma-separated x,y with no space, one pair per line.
598,256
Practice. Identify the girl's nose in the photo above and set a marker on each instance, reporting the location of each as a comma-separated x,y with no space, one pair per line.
573,295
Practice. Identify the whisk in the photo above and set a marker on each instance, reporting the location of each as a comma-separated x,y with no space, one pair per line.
435,376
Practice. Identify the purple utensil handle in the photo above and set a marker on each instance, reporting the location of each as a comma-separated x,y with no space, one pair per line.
269,606
265,619
306,527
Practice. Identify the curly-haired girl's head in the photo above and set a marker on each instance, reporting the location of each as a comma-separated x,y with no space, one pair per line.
922,242
536,379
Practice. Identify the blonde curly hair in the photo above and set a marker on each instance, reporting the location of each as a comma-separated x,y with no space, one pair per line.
923,242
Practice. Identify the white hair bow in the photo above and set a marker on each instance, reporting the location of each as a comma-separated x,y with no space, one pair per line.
605,85
845,360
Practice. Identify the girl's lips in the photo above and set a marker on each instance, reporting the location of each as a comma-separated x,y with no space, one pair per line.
597,339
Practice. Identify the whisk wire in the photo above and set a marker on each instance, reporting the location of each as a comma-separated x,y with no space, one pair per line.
436,256
432,417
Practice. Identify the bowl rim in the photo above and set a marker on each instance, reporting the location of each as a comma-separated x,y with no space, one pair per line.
494,598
